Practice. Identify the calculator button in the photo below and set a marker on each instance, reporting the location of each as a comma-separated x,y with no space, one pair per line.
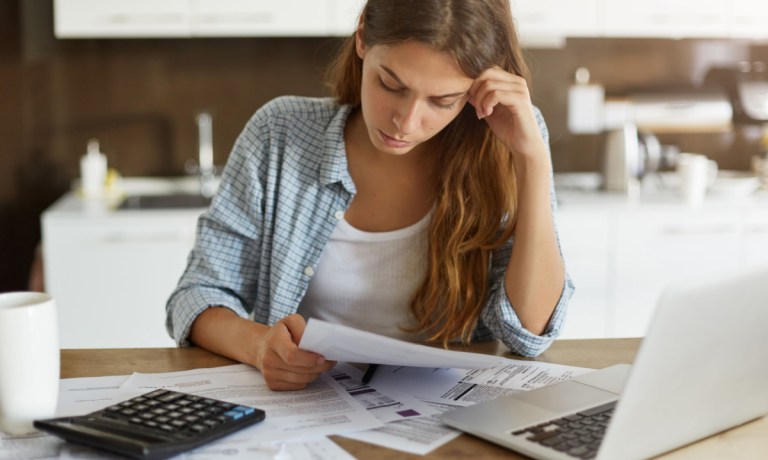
170,397
155,394
234,414
198,427
246,410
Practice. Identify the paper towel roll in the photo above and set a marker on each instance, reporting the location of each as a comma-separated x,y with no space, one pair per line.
585,108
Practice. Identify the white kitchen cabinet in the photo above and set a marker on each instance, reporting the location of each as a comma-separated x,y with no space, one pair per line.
749,18
121,18
212,18
343,16
623,254
754,247
666,18
585,238
657,248
556,18
111,272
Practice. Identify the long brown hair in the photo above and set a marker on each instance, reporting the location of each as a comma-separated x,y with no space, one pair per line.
476,201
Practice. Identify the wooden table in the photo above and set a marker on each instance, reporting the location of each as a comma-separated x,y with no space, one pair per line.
749,441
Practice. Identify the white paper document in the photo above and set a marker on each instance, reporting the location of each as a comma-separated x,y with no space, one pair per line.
323,408
84,395
443,389
341,343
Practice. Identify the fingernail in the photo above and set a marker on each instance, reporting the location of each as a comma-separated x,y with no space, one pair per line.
320,360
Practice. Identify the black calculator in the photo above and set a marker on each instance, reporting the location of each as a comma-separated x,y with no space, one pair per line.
155,425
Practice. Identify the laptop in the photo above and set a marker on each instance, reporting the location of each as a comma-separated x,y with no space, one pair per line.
701,369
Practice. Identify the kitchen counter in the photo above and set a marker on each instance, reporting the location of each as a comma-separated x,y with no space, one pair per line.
111,270
623,253
73,205
108,267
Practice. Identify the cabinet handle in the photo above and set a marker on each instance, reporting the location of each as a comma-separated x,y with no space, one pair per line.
703,230
261,18
758,229
144,19
125,238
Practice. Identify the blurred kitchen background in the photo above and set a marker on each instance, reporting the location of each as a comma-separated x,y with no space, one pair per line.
137,88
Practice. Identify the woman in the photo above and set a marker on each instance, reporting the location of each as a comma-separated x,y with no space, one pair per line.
417,203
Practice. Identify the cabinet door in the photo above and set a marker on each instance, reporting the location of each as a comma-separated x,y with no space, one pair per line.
111,279
657,249
754,247
667,18
585,237
259,18
343,16
749,18
121,18
555,18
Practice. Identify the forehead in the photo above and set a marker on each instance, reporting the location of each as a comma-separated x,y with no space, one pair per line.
419,66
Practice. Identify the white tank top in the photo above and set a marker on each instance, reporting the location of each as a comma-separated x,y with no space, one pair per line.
367,280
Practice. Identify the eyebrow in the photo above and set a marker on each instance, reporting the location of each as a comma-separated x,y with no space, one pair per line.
400,82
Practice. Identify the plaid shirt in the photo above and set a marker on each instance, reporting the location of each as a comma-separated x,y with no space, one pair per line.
285,187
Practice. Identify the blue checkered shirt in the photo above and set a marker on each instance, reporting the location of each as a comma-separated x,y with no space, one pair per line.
285,186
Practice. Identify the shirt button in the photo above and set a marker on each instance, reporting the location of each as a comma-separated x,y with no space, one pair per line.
309,271
339,215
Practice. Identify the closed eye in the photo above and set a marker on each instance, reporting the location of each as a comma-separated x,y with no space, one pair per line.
390,89
445,104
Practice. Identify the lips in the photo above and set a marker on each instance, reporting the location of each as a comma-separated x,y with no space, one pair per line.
392,142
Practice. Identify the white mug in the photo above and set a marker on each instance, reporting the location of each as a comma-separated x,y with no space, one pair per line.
29,360
696,173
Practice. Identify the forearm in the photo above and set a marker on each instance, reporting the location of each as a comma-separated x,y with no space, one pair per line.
222,331
535,274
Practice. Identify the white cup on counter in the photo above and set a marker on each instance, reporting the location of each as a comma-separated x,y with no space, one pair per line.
696,173
29,360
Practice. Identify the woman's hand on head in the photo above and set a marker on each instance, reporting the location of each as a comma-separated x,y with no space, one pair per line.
502,99
283,364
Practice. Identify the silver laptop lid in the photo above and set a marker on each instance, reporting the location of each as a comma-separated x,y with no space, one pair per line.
703,364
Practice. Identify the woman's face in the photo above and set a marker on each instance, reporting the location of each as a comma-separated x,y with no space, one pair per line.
410,92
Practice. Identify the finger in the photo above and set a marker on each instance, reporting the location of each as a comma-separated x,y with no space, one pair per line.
489,93
281,380
296,325
278,377
288,351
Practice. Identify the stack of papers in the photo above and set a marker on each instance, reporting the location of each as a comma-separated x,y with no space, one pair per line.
398,409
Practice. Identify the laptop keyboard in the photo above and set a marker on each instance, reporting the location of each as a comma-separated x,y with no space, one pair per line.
578,435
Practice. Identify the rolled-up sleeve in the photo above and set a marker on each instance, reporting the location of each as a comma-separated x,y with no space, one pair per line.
498,319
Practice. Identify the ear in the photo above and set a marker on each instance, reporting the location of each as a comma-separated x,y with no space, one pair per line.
359,43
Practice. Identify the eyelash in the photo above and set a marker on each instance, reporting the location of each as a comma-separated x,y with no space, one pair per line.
399,91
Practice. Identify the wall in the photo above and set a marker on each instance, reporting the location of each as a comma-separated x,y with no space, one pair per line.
140,97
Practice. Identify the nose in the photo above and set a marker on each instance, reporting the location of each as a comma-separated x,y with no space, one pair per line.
408,117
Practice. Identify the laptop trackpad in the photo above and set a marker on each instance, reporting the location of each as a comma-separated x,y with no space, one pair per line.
567,396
